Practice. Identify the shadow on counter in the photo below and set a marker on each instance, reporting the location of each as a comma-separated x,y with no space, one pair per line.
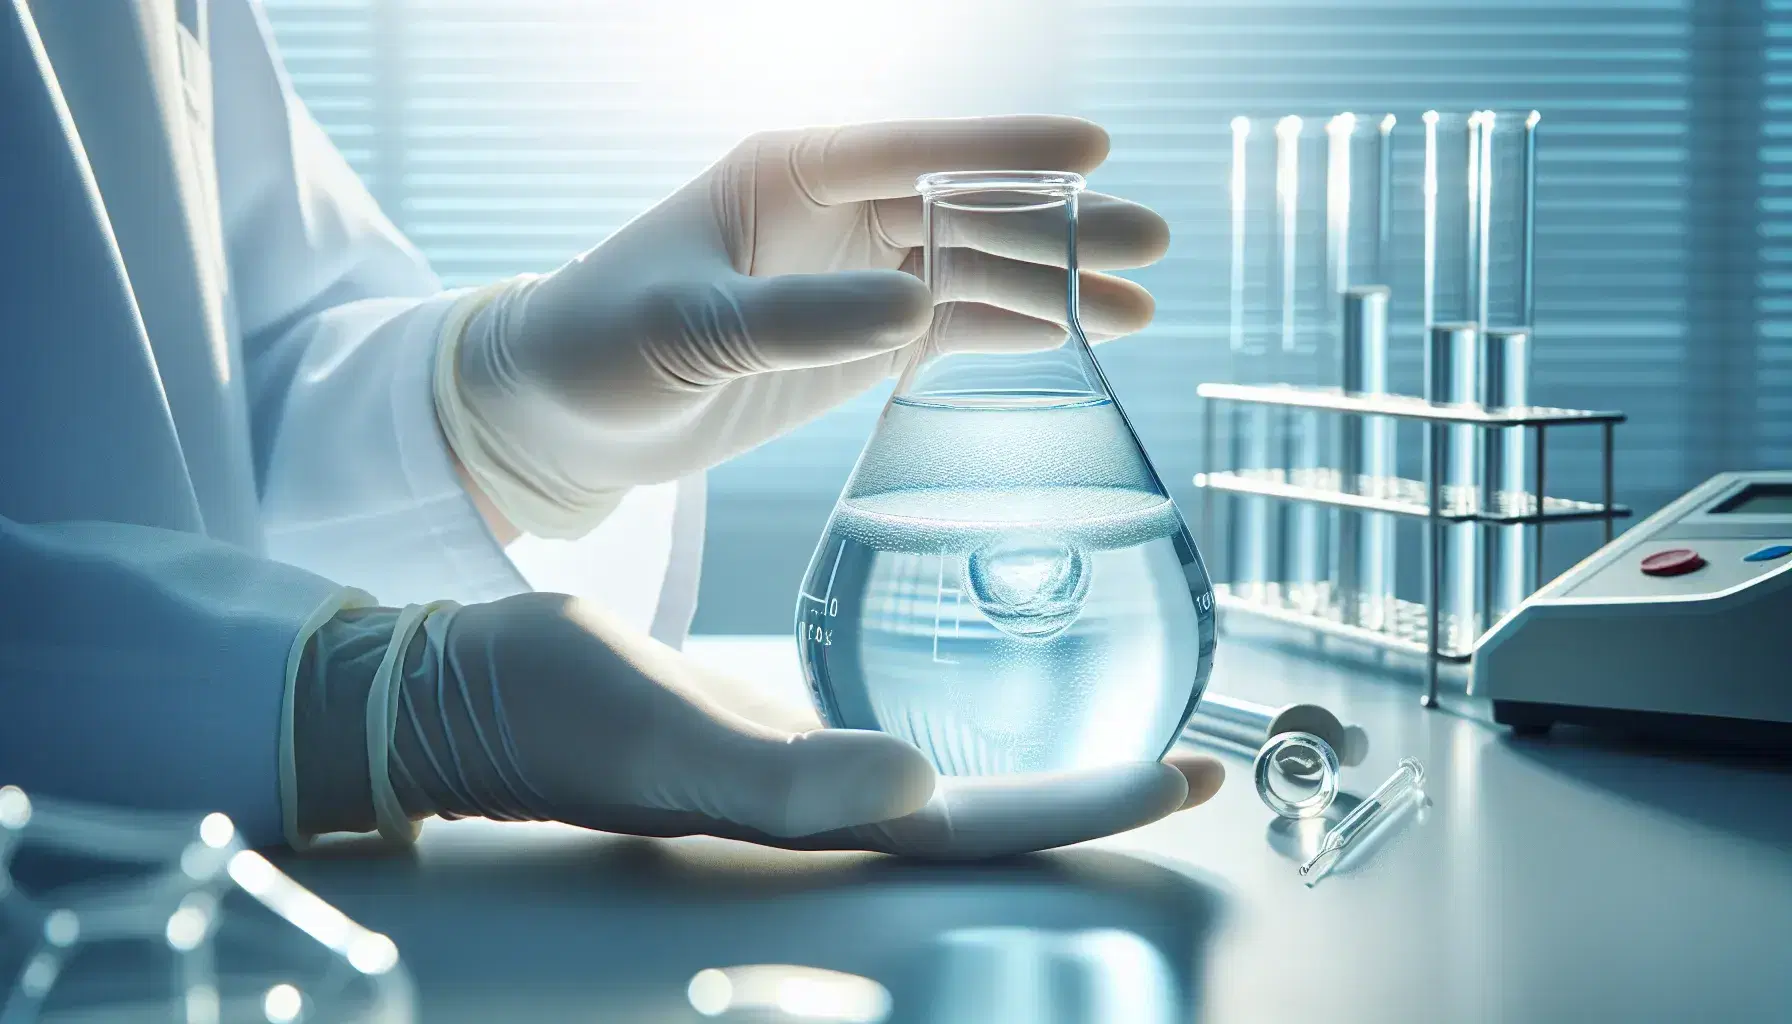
548,923
1737,792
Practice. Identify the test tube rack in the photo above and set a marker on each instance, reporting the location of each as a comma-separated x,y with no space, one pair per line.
1407,627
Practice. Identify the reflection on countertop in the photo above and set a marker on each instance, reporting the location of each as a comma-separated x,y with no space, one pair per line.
1571,879
554,923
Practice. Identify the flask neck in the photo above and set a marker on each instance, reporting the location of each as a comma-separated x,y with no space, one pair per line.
999,254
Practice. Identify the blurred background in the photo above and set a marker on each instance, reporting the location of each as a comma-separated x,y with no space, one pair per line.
506,137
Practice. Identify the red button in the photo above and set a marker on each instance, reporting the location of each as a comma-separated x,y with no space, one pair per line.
1675,562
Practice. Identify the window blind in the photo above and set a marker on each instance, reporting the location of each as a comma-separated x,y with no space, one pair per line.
1772,396
1613,261
330,52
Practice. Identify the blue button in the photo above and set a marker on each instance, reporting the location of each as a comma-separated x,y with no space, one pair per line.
1768,553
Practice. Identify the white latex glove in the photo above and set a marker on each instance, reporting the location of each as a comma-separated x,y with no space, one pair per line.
541,707
758,296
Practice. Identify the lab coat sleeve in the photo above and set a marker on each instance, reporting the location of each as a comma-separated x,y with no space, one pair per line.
142,667
340,317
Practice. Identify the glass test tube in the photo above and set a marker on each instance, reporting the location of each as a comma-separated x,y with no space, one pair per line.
1452,278
1253,210
1365,540
1306,315
1507,574
1404,785
1507,216
1357,223
1279,277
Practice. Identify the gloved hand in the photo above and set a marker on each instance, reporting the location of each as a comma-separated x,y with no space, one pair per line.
753,299
541,707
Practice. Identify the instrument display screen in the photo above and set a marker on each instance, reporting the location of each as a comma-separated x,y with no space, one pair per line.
1759,500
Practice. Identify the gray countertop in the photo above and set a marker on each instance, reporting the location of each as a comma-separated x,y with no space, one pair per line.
1569,879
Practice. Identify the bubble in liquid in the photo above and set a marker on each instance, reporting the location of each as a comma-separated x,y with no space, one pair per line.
1028,586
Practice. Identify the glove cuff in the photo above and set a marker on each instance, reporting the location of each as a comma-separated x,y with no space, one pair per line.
302,669
333,758
382,722
536,500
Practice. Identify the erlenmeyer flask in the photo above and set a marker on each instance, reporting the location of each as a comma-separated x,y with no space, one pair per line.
1005,582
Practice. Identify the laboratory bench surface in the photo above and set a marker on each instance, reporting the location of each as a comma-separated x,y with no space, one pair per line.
1573,878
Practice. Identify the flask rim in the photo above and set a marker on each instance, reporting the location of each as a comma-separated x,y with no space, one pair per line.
1052,183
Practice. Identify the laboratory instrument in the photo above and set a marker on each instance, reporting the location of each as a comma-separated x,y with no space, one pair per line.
1296,775
1676,628
1005,582
1243,724
1391,795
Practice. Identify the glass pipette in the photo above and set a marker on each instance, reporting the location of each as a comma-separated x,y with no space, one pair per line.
1399,787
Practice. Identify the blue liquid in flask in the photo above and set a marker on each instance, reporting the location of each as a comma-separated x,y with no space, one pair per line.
1005,582
1006,585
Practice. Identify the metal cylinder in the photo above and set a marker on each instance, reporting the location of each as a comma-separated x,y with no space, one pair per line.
1365,540
1232,720
1505,373
1452,365
1246,726
1365,355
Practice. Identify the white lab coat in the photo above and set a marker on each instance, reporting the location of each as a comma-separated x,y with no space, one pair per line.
215,413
